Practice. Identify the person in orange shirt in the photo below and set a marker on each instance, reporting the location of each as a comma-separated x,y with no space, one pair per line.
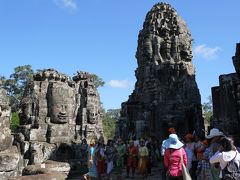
132,153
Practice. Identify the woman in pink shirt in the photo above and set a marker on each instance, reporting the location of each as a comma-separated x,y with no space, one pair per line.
172,157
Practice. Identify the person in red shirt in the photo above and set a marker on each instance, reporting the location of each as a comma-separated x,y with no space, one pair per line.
172,157
132,153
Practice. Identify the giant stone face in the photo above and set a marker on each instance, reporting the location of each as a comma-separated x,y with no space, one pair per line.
61,101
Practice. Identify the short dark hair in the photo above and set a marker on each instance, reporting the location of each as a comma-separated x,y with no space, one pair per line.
227,144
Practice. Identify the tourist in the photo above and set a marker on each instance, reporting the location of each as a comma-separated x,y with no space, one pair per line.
171,130
163,147
84,155
199,147
172,157
143,158
189,148
100,157
203,168
214,137
121,151
132,153
110,154
151,149
226,153
92,162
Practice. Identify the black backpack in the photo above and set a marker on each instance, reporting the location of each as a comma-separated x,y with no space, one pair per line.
231,171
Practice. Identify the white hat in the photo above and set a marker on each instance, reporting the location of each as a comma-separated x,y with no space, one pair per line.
214,132
173,142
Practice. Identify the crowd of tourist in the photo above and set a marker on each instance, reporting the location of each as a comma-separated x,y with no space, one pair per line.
116,155
213,158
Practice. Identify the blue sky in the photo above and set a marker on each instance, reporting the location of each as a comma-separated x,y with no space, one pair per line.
100,36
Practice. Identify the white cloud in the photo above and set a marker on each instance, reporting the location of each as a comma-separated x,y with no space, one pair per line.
70,4
119,83
206,52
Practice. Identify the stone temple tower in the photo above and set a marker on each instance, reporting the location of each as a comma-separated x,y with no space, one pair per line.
166,94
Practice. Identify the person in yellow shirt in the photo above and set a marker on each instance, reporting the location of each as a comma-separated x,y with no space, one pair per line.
143,158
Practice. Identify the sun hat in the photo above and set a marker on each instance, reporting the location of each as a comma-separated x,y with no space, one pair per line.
173,142
214,132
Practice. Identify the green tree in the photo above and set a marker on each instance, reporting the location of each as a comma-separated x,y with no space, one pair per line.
109,122
15,121
114,113
98,81
16,83
207,109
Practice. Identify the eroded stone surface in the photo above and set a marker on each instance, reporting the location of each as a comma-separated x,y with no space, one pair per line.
166,93
57,113
226,100
10,159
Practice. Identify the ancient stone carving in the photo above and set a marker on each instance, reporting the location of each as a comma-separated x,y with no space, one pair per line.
226,100
61,100
164,36
57,112
89,112
166,93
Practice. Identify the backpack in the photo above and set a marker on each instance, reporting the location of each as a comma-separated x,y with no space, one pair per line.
231,171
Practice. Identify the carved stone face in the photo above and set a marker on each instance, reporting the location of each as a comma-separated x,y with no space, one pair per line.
92,115
61,103
29,110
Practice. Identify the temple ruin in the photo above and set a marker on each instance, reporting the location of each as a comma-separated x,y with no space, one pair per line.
166,93
226,100
11,163
57,113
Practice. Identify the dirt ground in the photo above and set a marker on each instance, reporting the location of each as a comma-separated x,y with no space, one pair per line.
155,175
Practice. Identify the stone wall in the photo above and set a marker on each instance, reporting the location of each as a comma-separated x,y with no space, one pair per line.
11,162
226,100
166,93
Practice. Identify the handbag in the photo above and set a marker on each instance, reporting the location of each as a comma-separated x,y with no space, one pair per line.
185,173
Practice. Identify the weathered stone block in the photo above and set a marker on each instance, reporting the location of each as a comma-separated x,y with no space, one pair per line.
39,134
58,166
6,139
48,151
48,176
5,122
25,130
56,130
36,149
7,174
9,159
47,167
60,133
